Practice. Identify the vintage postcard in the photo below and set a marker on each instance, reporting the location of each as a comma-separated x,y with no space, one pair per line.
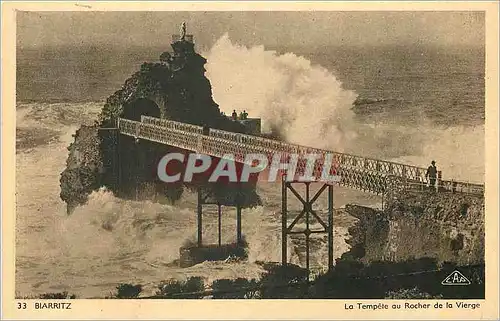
250,160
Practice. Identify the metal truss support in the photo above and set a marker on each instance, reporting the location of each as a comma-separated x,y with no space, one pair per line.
203,199
200,217
238,225
219,224
307,214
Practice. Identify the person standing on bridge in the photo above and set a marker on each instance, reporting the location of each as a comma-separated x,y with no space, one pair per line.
432,174
234,115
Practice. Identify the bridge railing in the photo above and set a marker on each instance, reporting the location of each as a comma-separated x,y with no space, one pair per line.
366,180
341,159
365,173
160,134
395,183
463,187
172,124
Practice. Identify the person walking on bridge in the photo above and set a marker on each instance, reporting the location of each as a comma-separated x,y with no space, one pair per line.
431,174
234,115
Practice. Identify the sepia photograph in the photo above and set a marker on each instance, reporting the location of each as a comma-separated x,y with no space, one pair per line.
252,155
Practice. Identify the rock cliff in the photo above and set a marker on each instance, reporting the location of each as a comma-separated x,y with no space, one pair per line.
444,226
174,88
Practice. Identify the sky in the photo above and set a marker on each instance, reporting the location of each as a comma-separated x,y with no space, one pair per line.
307,28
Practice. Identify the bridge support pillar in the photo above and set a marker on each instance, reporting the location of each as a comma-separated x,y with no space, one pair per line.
203,199
308,214
192,254
239,239
219,223
284,222
200,218
239,201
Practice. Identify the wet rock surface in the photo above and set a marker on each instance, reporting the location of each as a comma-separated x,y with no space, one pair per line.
444,226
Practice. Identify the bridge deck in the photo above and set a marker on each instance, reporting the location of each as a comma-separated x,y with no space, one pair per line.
367,174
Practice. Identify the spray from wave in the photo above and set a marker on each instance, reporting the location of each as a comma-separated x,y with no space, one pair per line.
458,151
307,105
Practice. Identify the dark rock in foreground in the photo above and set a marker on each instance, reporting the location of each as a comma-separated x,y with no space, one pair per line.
192,255
445,226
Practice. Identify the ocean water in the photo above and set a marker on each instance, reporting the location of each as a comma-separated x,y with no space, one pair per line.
413,105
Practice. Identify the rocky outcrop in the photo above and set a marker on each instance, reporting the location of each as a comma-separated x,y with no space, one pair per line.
445,226
174,88
84,167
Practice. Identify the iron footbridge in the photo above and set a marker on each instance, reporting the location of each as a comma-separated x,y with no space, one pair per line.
366,174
